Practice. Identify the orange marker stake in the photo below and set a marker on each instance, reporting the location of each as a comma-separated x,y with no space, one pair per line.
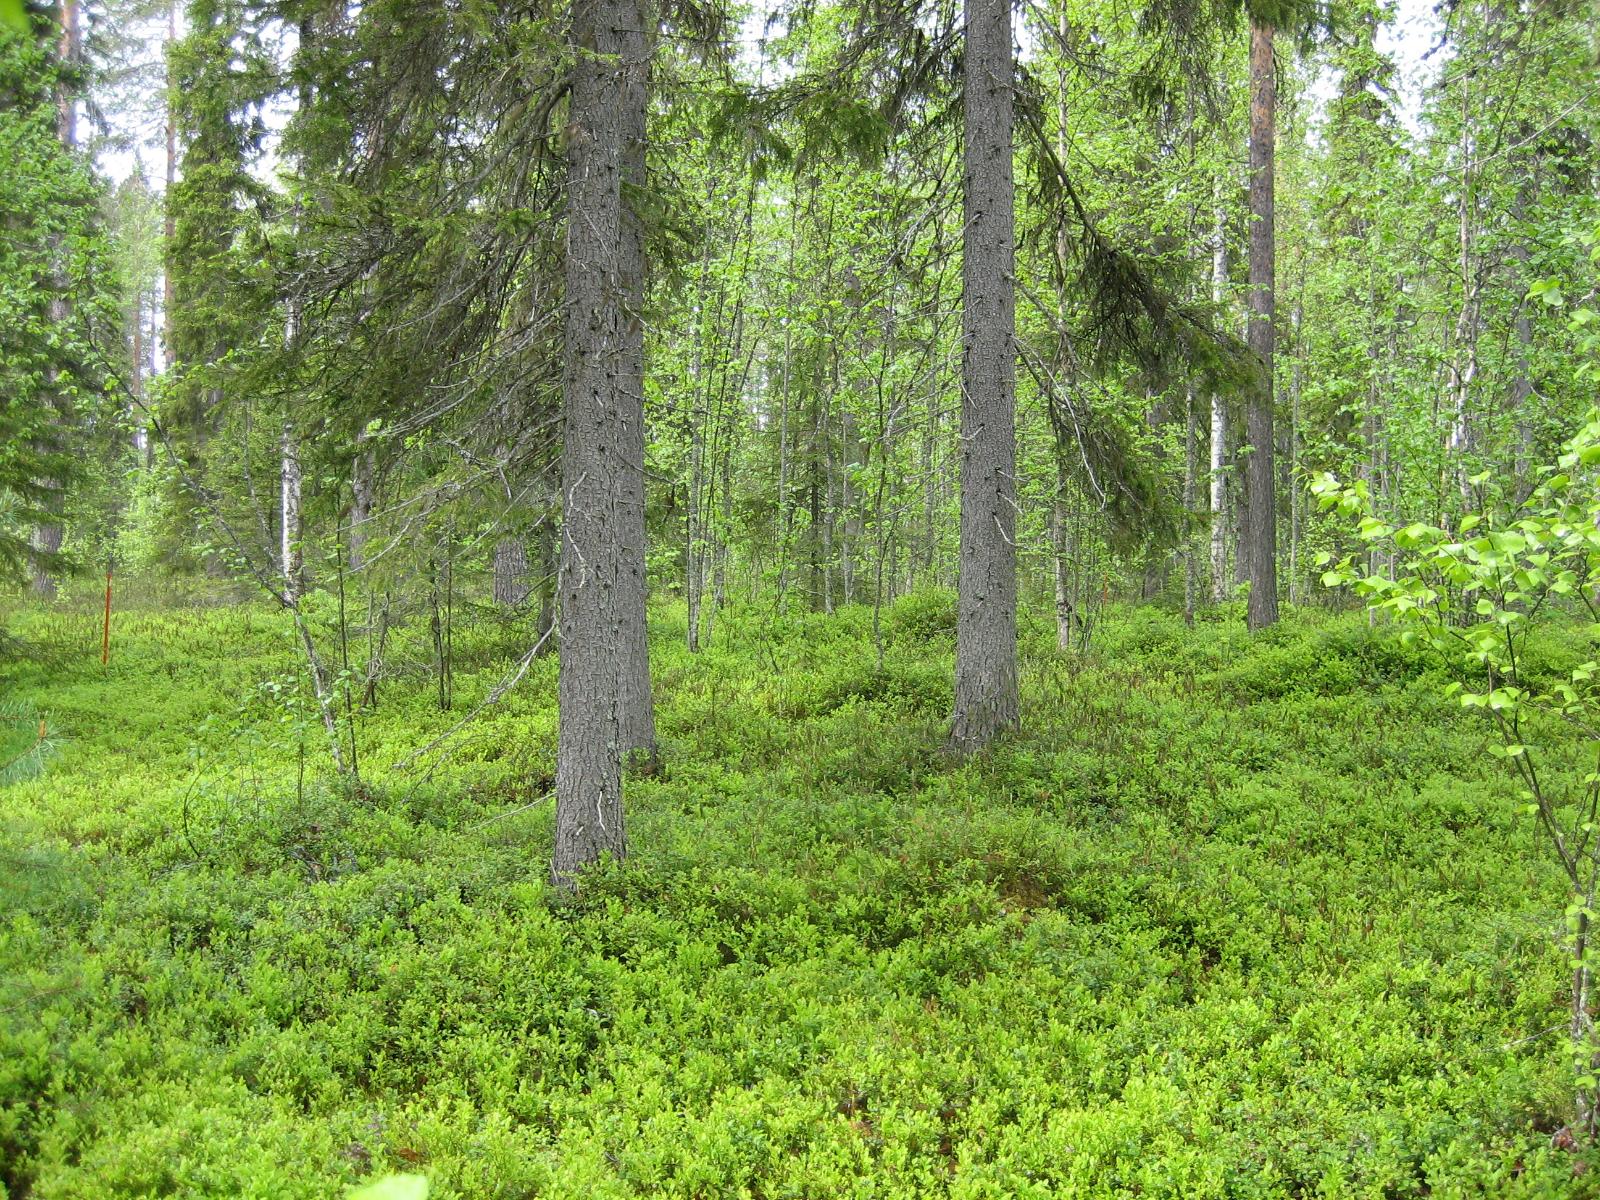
105,637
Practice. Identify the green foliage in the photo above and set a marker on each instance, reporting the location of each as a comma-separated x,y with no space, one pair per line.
1481,595
54,292
394,1187
25,741
1204,928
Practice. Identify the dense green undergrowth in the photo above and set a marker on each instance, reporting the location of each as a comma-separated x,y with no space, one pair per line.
1230,918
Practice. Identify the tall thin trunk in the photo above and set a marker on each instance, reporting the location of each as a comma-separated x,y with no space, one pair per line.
596,446
785,508
545,582
719,556
1061,559
362,488
986,692
1058,508
1464,359
1296,493
291,558
694,537
849,503
168,301
930,486
1191,455
1221,433
1522,389
1260,532
637,719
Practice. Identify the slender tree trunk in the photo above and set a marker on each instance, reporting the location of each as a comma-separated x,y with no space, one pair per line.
596,449
637,38
1296,495
986,693
1522,389
362,470
849,503
1060,558
545,583
694,538
1058,509
136,362
1261,525
1191,456
169,304
785,508
1464,360
291,558
1221,433
930,488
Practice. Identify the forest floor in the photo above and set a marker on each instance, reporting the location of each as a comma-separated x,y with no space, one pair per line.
1229,918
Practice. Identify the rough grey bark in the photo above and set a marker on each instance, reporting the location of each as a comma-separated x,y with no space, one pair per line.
545,585
596,449
636,43
986,693
1259,536
361,503
510,586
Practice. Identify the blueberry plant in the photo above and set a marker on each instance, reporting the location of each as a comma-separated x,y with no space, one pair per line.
1478,594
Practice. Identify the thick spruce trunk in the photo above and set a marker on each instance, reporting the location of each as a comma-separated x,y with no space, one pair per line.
986,693
599,401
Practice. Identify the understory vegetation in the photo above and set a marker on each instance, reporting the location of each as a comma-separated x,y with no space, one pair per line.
1231,916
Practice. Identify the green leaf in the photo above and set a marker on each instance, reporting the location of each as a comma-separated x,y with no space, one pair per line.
395,1187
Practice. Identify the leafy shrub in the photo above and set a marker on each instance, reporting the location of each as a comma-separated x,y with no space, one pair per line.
925,615
1193,932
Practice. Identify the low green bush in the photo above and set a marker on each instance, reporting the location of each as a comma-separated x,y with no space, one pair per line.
1226,918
